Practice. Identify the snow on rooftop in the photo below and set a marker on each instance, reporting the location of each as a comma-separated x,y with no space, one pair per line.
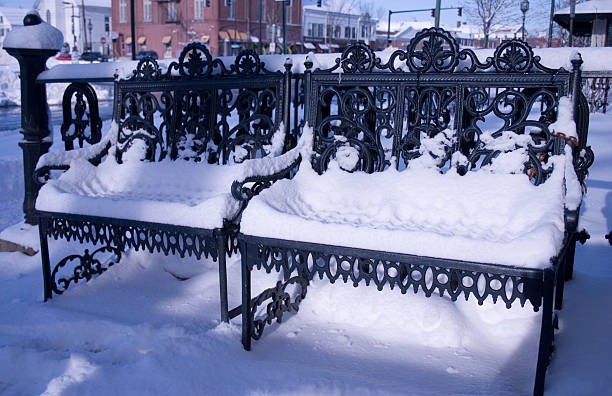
589,7
14,16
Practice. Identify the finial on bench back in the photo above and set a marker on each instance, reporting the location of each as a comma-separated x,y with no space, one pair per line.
308,62
576,60
288,64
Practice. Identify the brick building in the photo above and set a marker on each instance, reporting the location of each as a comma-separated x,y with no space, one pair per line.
226,26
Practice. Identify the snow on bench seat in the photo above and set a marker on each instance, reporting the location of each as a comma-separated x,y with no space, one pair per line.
169,192
482,216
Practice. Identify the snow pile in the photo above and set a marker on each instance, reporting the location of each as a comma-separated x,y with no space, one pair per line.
482,216
10,87
170,192
565,119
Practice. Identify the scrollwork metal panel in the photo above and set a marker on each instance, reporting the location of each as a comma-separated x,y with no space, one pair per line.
198,109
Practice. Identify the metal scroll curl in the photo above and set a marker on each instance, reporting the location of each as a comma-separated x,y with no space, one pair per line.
278,301
86,123
88,266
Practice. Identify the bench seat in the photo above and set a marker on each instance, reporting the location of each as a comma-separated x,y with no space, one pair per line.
480,217
169,192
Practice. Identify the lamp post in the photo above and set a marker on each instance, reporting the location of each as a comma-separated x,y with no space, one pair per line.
524,9
90,27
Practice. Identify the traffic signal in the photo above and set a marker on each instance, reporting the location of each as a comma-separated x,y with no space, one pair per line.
433,12
459,11
318,3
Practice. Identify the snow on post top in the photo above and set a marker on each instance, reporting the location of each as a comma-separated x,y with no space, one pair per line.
34,34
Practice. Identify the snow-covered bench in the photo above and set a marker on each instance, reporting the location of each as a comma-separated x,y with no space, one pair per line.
160,179
427,170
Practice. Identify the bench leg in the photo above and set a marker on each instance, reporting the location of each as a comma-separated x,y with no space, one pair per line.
247,320
222,251
560,282
568,273
44,256
546,333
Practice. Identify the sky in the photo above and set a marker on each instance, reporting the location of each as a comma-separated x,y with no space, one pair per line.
449,17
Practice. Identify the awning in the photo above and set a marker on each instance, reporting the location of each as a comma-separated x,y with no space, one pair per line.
204,38
334,46
142,40
309,46
128,40
234,35
254,39
324,46
167,40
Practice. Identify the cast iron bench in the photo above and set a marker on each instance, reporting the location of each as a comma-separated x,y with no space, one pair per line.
434,119
160,179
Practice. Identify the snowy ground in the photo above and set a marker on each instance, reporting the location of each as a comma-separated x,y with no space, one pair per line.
138,330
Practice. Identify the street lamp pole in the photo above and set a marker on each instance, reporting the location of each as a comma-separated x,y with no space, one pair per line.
260,16
524,9
90,27
133,29
550,22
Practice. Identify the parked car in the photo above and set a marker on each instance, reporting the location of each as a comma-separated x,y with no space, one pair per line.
142,54
91,56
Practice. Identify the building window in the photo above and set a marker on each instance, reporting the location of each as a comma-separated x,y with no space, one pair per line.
48,17
106,23
147,15
347,32
122,11
353,32
199,9
231,8
172,14
310,30
337,31
329,31
319,30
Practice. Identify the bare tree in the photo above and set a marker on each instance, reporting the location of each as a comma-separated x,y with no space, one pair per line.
489,13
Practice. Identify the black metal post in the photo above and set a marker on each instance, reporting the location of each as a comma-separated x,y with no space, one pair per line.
260,35
389,29
437,13
247,321
571,22
133,29
284,27
550,22
34,114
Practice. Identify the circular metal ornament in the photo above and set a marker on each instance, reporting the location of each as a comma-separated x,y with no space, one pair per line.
433,49
198,63
513,56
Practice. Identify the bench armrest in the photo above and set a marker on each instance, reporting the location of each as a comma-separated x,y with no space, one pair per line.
61,160
261,173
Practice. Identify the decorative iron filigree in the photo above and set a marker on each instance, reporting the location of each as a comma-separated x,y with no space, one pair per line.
88,266
133,234
86,123
212,119
438,276
281,302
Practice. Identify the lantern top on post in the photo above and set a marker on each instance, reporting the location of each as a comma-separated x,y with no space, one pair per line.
34,34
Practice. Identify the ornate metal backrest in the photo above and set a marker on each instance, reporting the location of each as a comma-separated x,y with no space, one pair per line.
198,109
365,110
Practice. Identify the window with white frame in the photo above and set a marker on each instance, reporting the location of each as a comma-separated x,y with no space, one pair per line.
122,11
199,9
172,11
147,15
